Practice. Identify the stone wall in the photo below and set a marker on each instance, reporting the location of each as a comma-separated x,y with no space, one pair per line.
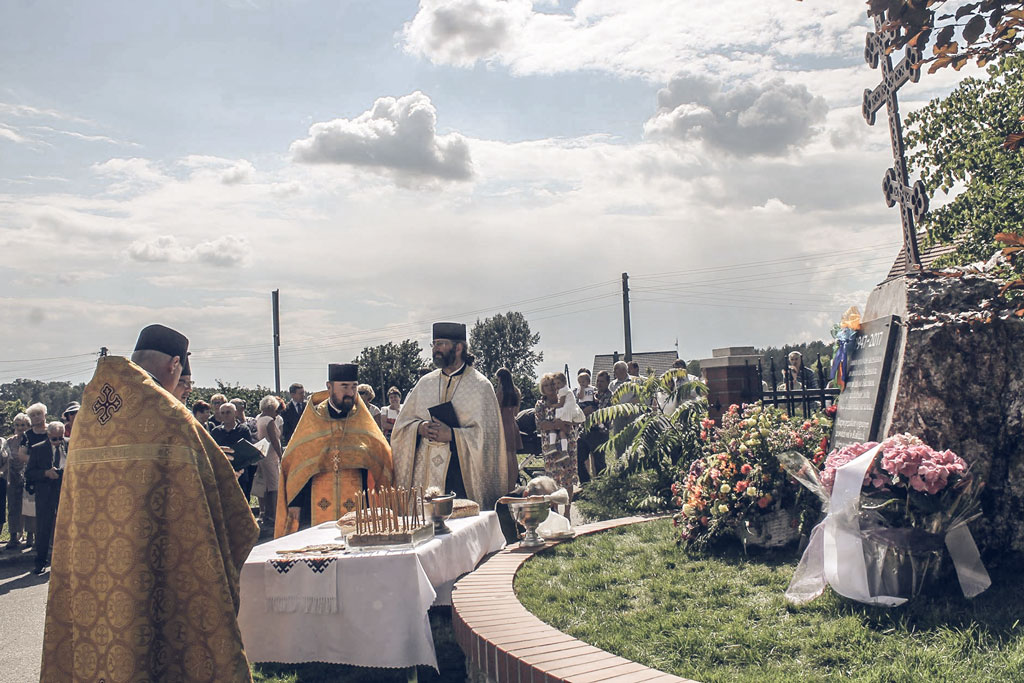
961,386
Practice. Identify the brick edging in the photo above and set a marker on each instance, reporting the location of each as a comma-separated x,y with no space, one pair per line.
503,639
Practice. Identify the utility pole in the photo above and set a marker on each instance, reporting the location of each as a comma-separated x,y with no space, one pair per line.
625,317
275,301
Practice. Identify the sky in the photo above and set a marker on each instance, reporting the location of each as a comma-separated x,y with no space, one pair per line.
387,164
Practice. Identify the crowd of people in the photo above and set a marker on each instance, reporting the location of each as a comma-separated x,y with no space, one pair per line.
142,473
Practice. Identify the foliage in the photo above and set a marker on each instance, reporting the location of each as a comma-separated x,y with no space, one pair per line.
956,144
55,395
738,477
1014,270
981,31
614,493
779,355
390,365
252,397
634,592
648,438
8,410
505,340
657,427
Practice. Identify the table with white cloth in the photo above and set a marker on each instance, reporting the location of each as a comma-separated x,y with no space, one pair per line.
382,598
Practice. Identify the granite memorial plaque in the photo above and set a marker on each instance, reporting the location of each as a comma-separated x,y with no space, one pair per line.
860,405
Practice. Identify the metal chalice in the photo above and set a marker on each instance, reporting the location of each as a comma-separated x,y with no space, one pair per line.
441,509
530,515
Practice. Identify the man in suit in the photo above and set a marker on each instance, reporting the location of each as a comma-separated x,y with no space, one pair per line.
293,412
46,462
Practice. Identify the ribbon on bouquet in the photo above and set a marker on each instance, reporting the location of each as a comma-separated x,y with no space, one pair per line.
835,552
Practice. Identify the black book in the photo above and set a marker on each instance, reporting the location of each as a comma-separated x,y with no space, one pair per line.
245,454
445,412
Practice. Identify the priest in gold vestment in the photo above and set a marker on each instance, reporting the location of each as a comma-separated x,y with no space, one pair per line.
152,530
337,449
469,457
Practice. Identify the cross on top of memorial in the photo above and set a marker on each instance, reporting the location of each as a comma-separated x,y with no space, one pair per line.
913,201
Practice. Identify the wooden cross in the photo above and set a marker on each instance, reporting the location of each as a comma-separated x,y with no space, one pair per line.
913,201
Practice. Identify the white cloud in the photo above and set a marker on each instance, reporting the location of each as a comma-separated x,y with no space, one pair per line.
8,133
225,251
774,205
460,32
238,173
769,118
652,39
396,136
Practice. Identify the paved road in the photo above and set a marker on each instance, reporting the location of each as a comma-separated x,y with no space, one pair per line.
22,608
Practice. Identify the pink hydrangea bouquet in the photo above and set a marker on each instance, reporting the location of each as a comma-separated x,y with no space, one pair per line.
914,503
910,484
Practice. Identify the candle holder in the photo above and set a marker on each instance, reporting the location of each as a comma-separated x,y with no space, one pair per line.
441,508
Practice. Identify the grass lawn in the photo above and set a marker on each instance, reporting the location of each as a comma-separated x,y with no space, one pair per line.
449,659
634,592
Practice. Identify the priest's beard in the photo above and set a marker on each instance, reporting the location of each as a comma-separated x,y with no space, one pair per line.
445,360
344,406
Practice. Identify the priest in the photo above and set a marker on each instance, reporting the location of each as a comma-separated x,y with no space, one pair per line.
151,534
448,433
336,451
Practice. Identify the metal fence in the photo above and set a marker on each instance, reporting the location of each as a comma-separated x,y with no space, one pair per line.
783,390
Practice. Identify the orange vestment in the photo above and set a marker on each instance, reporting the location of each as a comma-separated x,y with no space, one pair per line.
330,452
152,531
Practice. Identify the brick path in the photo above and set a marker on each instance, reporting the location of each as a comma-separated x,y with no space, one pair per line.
505,641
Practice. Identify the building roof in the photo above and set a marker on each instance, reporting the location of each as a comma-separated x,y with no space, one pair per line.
658,361
928,256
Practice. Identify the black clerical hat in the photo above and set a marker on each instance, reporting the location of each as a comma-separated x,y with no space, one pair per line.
342,372
452,331
163,339
186,369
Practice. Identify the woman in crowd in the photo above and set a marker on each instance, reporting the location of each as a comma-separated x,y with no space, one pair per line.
509,399
202,411
367,393
15,481
389,413
558,465
269,467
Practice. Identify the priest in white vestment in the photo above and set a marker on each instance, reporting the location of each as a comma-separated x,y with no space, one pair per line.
467,457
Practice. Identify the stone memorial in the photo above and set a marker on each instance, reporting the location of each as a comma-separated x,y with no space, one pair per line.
859,414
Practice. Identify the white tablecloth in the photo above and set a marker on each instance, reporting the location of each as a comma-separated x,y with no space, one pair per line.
383,597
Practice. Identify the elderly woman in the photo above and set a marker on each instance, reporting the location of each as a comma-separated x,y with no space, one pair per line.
269,468
559,465
15,480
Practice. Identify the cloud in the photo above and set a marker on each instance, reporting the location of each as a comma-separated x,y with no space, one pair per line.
7,133
645,38
238,173
460,32
769,118
131,175
84,137
224,251
397,136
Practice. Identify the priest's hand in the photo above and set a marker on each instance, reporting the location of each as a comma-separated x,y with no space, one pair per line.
439,432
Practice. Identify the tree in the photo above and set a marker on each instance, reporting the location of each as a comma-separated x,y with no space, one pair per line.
505,340
983,31
957,143
55,395
390,365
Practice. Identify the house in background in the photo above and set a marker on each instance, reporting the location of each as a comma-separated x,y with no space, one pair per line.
657,362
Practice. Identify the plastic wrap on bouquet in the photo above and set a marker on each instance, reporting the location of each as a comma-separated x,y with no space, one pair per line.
853,551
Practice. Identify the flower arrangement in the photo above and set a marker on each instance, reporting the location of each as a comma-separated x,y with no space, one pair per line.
912,503
910,484
738,479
